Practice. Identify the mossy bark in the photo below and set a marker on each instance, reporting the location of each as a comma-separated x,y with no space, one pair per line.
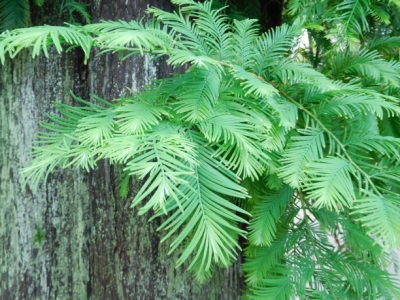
75,238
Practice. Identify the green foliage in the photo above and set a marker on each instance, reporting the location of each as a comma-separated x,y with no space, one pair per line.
14,14
17,13
38,38
70,9
306,140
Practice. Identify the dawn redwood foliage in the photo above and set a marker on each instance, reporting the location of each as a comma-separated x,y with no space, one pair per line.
288,138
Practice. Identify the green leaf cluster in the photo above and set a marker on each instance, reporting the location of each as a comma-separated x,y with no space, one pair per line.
17,13
295,149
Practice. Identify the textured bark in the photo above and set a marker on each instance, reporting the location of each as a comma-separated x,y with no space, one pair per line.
75,238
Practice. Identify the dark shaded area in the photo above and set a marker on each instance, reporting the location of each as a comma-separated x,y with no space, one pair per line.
268,12
271,14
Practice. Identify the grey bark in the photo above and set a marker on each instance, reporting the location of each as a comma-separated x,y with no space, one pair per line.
75,238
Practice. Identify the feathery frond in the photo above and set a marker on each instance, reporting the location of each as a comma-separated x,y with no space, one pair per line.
267,211
39,38
14,14
301,151
205,215
251,83
385,44
123,35
164,158
350,102
60,147
244,37
198,93
329,183
136,117
366,63
274,45
352,17
380,214
236,142
289,73
212,25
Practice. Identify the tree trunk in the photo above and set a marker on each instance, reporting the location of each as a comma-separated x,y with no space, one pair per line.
75,238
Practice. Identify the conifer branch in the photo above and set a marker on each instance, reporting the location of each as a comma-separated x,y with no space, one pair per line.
315,248
334,137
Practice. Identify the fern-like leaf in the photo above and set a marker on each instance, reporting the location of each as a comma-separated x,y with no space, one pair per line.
244,37
302,150
236,142
14,14
123,35
289,73
135,117
252,83
60,147
39,38
267,211
380,214
198,93
273,45
96,129
205,216
366,63
329,183
348,103
164,158
213,25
